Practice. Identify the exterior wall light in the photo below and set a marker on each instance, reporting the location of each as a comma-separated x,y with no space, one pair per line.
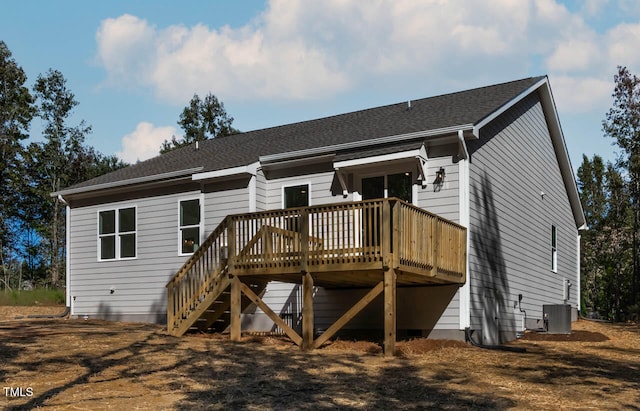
439,176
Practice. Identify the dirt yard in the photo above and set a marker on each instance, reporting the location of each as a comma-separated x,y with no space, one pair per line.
77,364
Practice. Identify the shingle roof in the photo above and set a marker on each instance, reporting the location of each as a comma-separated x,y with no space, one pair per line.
462,108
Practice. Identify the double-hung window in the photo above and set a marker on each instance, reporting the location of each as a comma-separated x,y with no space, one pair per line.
117,234
190,226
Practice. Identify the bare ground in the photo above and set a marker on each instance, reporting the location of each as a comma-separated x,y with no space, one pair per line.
77,364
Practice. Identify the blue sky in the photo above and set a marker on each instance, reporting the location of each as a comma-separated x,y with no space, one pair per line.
133,65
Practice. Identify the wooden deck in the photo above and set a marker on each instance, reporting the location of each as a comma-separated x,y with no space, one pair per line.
381,244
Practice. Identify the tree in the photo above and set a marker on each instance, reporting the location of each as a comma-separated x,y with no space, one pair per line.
201,120
622,123
593,195
16,112
54,164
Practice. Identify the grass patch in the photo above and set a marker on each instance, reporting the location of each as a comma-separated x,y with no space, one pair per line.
38,296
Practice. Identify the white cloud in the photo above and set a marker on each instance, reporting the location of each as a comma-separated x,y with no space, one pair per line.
622,45
124,49
144,142
309,50
581,94
574,55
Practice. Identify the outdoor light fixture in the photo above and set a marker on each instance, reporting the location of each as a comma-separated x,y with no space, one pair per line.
439,181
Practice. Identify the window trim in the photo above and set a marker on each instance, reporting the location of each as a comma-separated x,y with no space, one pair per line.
200,226
397,169
554,248
117,233
295,184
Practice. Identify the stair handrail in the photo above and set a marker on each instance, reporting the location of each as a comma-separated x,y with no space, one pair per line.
206,244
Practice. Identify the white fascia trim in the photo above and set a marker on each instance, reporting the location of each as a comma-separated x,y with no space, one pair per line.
507,106
562,155
121,183
377,159
365,143
248,169
298,162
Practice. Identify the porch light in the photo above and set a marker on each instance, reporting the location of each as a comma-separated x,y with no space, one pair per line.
439,176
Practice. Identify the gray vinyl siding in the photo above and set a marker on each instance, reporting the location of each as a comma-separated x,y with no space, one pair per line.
444,202
224,199
320,189
435,308
261,191
421,308
281,297
510,221
139,284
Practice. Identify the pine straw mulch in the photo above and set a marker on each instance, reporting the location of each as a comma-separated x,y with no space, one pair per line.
78,364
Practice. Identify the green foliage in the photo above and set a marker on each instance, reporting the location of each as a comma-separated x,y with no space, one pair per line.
622,123
16,112
38,296
201,120
610,196
32,223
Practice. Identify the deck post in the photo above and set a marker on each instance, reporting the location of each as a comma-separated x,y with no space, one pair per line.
307,312
304,239
386,231
389,312
236,310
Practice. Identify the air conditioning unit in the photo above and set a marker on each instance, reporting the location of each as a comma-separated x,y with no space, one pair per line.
557,318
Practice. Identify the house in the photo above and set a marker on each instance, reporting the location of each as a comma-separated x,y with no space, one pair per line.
489,166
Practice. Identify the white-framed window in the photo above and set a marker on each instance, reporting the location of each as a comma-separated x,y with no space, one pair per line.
296,195
398,185
117,234
554,249
189,225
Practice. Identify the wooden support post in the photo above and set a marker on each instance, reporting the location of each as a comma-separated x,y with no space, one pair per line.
236,309
307,312
389,312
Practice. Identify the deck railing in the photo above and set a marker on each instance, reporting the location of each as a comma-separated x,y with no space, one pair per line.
198,276
306,238
427,242
373,234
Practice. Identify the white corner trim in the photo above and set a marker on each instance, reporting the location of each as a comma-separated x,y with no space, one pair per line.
579,285
68,257
253,194
465,219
